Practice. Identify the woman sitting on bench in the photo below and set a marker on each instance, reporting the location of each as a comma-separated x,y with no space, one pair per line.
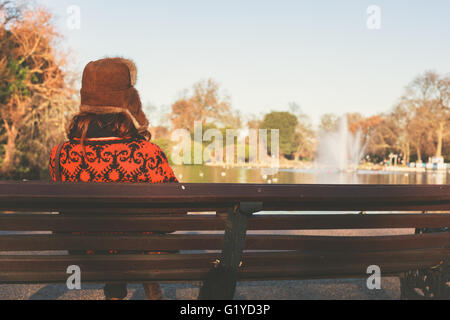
110,142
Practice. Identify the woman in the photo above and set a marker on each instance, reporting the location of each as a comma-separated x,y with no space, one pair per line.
110,141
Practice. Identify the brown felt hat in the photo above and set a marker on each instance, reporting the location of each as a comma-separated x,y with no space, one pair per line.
108,87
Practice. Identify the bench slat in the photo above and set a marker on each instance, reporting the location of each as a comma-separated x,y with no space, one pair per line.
65,223
185,261
55,196
246,273
215,242
83,206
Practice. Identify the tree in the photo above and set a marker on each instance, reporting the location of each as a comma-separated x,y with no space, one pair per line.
428,96
329,122
419,130
379,134
306,136
253,121
36,90
286,123
203,104
401,116
358,123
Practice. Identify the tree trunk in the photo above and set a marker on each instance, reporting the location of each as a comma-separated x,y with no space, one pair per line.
419,155
440,136
10,148
406,154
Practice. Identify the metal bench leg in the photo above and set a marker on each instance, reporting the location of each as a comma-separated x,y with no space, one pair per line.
220,283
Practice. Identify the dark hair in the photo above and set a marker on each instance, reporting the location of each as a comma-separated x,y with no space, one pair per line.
86,125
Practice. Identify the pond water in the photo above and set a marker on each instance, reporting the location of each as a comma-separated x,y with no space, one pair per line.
198,174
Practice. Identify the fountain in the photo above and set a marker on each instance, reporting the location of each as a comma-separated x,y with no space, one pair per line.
340,150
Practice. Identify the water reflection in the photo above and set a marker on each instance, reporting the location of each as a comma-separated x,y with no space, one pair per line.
198,174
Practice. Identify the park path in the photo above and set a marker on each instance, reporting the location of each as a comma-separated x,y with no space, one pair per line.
354,289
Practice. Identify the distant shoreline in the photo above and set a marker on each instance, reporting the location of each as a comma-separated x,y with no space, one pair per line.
309,165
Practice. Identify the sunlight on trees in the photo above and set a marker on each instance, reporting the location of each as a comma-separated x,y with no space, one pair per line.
203,103
36,89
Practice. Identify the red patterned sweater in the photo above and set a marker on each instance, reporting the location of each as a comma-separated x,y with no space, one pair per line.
112,160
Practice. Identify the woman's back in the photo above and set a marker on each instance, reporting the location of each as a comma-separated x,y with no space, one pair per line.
112,159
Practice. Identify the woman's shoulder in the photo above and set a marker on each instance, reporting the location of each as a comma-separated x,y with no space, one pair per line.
150,146
153,148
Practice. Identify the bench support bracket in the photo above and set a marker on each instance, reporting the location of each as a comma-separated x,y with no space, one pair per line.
220,284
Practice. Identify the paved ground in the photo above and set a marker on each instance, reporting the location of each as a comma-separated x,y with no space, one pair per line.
264,290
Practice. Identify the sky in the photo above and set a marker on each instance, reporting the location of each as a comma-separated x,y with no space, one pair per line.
266,54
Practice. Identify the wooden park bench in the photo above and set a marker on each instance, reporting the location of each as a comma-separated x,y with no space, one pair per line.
238,240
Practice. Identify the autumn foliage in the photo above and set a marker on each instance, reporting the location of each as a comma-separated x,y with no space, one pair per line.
36,91
205,104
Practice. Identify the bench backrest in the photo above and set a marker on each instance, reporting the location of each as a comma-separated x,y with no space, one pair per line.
113,216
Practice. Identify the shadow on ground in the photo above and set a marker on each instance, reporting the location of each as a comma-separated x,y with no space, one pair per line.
351,289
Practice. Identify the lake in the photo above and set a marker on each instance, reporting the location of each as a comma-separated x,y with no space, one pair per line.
207,174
